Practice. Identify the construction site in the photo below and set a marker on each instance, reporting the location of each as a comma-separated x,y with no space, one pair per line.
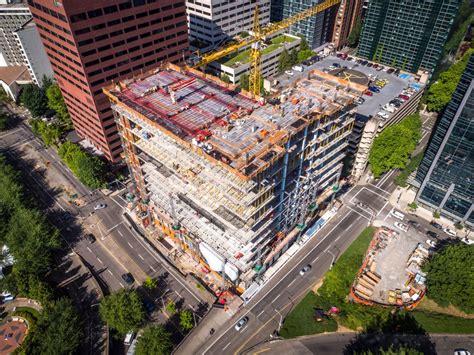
233,180
391,273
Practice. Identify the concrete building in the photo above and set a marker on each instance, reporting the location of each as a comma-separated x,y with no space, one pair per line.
231,180
34,55
407,35
239,63
12,17
446,173
92,43
347,16
317,30
213,22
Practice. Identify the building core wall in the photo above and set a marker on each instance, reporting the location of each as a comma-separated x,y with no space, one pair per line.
92,43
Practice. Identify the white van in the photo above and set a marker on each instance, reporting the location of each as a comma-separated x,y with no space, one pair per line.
129,338
298,68
397,214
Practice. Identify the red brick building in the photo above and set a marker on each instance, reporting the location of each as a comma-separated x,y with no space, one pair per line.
91,43
349,12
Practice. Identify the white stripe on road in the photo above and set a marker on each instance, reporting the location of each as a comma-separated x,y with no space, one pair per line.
225,347
89,249
314,260
386,203
151,267
121,284
375,193
291,283
276,297
141,257
100,261
360,214
178,294
110,272
130,245
258,315
119,232
382,181
379,188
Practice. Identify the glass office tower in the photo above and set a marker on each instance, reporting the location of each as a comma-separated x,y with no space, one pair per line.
446,173
407,34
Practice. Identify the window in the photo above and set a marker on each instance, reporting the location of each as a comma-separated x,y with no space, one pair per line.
104,48
138,2
98,27
92,51
116,33
125,5
94,13
85,42
82,31
128,18
111,9
113,22
78,17
102,37
142,14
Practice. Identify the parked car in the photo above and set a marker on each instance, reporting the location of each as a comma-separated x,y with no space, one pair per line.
374,89
436,225
349,59
90,238
395,103
402,226
150,306
414,224
369,65
389,108
368,93
380,68
364,62
359,101
431,243
305,269
397,214
383,114
289,72
461,352
396,72
336,65
241,323
432,234
100,206
129,338
298,68
467,241
375,66
128,278
344,56
449,232
390,71
404,97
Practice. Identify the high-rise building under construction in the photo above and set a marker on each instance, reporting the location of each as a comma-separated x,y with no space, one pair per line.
233,181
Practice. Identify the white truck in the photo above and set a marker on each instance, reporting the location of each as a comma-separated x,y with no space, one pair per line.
298,68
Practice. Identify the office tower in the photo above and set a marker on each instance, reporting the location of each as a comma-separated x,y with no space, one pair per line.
92,43
318,29
213,22
446,172
347,16
407,34
34,55
231,180
12,16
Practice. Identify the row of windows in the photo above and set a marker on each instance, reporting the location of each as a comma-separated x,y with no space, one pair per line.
121,7
47,11
59,74
60,28
55,34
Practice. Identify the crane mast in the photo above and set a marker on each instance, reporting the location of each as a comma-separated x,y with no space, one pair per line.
256,39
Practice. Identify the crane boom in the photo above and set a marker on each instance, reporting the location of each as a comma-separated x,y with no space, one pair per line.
264,32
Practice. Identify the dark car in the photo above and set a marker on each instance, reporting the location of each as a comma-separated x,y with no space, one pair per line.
395,103
432,234
390,71
150,306
90,238
374,89
364,62
349,59
436,225
414,224
128,278
337,65
396,72
369,65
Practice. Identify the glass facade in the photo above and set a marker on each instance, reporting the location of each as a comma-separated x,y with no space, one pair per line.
446,173
316,29
407,34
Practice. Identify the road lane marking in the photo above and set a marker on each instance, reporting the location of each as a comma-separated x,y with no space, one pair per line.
291,283
119,232
130,245
379,188
140,256
121,284
375,193
110,272
151,267
360,214
100,261
386,203
276,297
262,351
382,181
225,347
178,294
258,315
314,260
89,249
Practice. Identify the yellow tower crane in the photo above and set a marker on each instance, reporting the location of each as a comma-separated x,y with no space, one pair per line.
256,39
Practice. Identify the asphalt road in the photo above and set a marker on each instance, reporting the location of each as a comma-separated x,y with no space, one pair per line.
330,344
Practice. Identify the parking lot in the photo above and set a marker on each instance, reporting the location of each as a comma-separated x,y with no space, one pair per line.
372,104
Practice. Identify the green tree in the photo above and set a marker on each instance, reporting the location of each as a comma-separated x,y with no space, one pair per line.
244,81
439,94
353,38
150,283
450,277
304,54
392,350
393,147
171,307
186,320
50,133
284,62
244,34
3,121
225,78
413,206
56,103
123,311
293,57
57,331
304,43
155,340
34,99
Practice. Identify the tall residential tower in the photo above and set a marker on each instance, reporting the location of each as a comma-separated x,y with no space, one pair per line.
92,43
407,34
446,173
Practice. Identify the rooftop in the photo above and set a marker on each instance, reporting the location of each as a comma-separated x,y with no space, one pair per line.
14,73
228,126
275,43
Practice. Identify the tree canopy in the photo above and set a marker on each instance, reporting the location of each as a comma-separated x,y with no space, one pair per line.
3,121
123,311
440,92
50,133
56,103
186,320
284,62
353,38
450,279
34,99
88,168
393,147
57,331
155,340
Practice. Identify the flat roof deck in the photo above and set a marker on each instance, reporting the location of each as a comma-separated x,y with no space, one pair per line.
228,126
